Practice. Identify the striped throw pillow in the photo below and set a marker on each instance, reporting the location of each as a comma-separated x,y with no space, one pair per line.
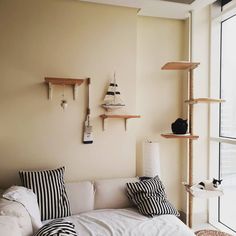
150,197
49,187
57,227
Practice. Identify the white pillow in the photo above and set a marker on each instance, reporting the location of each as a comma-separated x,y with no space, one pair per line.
18,212
29,200
81,196
111,193
9,226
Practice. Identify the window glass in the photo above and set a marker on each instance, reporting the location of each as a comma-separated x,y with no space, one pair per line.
227,206
228,78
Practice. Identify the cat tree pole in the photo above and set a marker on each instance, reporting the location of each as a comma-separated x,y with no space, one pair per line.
190,117
190,149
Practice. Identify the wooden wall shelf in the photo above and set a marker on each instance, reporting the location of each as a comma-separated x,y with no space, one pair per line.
180,65
62,81
125,117
180,136
204,100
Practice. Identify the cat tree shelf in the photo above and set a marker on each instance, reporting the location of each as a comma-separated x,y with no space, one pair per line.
204,100
180,136
62,81
180,65
201,193
125,117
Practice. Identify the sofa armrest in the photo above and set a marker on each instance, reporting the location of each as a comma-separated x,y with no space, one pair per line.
9,226
18,215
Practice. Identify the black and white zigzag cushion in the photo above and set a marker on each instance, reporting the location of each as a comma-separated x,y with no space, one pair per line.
49,187
150,197
57,227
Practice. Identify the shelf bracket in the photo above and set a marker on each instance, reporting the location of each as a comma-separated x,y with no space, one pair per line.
125,117
50,91
63,81
75,95
103,123
126,121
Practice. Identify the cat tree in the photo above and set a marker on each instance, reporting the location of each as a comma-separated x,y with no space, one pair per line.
189,67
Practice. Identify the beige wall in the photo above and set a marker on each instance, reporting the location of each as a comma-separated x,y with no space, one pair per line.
159,94
65,39
72,39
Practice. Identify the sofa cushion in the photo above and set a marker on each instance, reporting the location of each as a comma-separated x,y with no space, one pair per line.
18,212
49,187
111,193
81,196
150,197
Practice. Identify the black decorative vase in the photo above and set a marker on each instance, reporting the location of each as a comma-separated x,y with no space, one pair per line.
180,126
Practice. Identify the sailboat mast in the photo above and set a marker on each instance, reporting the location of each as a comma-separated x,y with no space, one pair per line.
114,88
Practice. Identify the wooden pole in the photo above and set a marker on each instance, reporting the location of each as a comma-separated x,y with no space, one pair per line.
190,148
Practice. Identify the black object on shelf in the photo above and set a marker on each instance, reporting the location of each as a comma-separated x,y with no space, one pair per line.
180,126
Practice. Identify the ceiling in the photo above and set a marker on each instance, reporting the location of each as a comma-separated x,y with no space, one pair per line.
176,9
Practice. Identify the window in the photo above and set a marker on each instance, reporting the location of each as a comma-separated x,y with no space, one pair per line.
228,79
227,152
222,210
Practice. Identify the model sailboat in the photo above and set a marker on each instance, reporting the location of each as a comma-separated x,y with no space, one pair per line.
113,99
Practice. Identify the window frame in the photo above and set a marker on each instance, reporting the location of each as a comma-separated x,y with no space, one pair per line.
218,16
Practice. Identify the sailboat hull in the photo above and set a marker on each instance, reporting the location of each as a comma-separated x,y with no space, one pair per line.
112,106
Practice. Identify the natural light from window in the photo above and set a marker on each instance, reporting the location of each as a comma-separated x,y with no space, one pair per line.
226,203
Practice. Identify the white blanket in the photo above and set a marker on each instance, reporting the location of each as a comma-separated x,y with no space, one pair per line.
127,222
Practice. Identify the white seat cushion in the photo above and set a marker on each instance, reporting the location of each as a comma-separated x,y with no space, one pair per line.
81,196
111,193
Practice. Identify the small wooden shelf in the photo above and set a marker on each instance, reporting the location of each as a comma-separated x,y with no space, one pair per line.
204,100
180,65
62,81
180,136
125,117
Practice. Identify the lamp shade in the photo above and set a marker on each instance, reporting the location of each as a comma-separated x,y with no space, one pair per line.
151,159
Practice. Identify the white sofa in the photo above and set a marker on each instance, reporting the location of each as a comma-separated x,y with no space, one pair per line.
99,208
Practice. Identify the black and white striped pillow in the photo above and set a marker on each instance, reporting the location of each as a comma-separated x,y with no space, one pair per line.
150,197
57,227
49,187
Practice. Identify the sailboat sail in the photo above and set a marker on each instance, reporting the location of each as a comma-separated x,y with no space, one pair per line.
113,99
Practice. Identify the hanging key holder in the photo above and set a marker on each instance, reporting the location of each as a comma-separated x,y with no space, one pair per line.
88,136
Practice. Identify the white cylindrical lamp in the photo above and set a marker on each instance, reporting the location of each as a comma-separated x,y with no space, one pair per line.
151,159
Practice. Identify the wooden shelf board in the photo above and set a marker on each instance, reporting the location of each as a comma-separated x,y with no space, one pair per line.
180,65
104,116
125,117
63,81
204,100
179,136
